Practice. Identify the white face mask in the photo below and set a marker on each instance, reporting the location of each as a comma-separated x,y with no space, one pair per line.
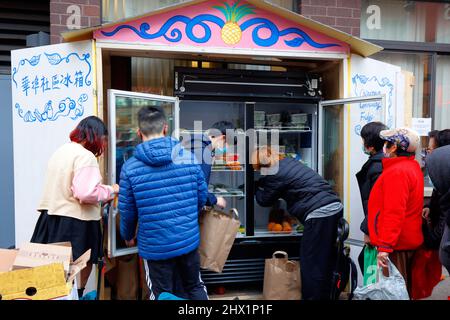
386,153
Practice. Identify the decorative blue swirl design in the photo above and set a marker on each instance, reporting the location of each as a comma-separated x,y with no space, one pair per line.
275,34
176,34
33,62
383,83
54,59
261,23
67,108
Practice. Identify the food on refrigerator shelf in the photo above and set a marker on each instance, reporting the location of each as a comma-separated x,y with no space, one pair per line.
292,220
277,227
235,165
299,119
270,226
273,119
286,226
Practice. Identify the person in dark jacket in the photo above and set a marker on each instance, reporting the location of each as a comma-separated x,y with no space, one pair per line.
205,147
369,173
438,165
312,200
434,224
162,189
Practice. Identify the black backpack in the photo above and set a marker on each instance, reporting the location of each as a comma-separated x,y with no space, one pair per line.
345,271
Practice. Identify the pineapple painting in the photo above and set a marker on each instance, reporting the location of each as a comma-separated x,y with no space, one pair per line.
231,32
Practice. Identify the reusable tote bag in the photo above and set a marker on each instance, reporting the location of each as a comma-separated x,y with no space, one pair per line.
281,278
370,264
217,233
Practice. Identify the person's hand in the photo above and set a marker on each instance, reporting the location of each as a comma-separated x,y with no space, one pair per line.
382,259
131,243
115,188
366,239
426,214
221,202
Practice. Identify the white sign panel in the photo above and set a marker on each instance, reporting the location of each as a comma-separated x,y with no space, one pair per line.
52,90
369,77
421,125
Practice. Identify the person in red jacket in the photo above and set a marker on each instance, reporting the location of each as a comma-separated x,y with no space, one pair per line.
396,202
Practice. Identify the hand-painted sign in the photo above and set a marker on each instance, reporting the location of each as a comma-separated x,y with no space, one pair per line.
52,90
370,78
230,24
49,84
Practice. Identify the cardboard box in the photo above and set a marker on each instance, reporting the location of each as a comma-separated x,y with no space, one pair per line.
32,255
40,272
7,258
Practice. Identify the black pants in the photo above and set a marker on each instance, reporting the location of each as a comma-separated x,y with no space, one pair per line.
160,276
318,254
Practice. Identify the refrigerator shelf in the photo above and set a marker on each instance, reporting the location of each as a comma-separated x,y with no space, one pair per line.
229,194
262,232
224,168
285,129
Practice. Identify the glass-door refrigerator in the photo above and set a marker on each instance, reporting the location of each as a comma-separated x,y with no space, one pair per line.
123,108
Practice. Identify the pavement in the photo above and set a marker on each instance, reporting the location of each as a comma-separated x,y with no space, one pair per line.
440,292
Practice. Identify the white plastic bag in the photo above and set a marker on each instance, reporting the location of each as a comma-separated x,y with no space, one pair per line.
386,288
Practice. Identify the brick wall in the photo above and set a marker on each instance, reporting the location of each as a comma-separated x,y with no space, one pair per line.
89,16
344,15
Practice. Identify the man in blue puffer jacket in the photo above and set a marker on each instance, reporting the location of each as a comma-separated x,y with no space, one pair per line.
161,190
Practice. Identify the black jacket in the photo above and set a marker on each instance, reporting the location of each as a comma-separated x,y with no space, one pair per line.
200,146
432,233
367,177
438,165
303,189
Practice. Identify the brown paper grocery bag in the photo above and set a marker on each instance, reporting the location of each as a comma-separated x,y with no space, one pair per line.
281,278
217,233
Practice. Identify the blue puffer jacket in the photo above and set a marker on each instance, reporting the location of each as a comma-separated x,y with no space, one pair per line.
162,194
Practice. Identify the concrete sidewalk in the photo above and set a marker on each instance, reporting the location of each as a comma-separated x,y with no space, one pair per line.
440,292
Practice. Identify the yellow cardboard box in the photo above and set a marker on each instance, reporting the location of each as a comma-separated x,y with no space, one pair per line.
40,272
38,283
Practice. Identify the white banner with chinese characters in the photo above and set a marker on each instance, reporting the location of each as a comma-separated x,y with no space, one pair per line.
52,90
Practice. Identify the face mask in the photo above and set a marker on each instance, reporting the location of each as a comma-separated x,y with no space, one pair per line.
365,150
219,150
386,153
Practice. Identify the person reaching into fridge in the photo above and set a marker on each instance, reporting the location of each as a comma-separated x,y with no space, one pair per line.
162,189
311,200
69,208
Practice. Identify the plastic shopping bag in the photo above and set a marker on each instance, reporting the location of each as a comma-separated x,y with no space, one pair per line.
386,288
370,264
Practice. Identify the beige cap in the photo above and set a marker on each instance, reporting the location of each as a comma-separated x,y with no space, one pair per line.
407,139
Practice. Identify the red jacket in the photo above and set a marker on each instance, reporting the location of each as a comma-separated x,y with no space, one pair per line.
395,206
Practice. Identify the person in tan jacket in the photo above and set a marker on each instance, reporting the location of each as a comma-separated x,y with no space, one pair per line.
70,204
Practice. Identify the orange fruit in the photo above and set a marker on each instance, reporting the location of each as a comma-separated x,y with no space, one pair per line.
287,226
270,226
277,227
